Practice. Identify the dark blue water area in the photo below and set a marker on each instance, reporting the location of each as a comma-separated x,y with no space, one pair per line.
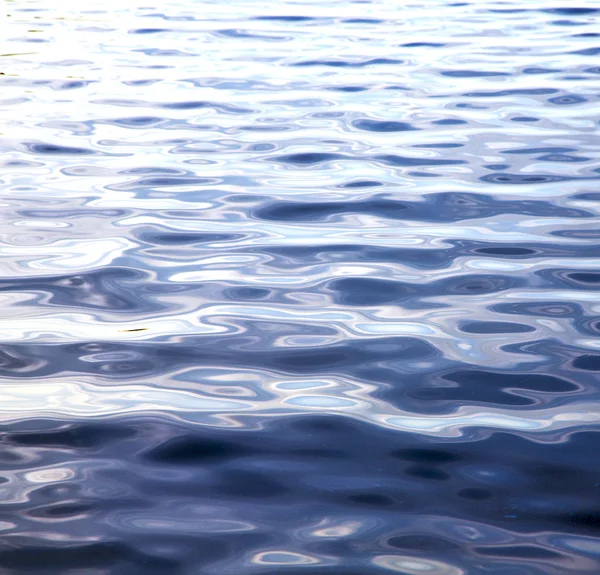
292,287
322,493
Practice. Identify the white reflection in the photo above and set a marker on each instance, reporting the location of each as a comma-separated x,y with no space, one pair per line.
49,475
283,558
69,254
415,566
71,399
336,531
164,524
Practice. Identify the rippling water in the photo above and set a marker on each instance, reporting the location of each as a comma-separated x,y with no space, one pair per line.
300,287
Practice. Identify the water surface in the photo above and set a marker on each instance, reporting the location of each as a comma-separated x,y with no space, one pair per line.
299,287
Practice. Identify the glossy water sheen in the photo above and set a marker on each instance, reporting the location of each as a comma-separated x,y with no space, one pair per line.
300,287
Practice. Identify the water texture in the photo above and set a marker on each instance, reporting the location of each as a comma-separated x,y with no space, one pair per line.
299,287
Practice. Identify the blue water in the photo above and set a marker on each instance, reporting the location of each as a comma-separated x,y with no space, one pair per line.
300,287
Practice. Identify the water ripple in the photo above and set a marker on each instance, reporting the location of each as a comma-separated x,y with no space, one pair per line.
300,288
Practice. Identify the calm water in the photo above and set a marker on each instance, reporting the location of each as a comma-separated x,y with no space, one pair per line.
300,287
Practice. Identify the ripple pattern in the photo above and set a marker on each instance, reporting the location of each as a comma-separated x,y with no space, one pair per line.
292,287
